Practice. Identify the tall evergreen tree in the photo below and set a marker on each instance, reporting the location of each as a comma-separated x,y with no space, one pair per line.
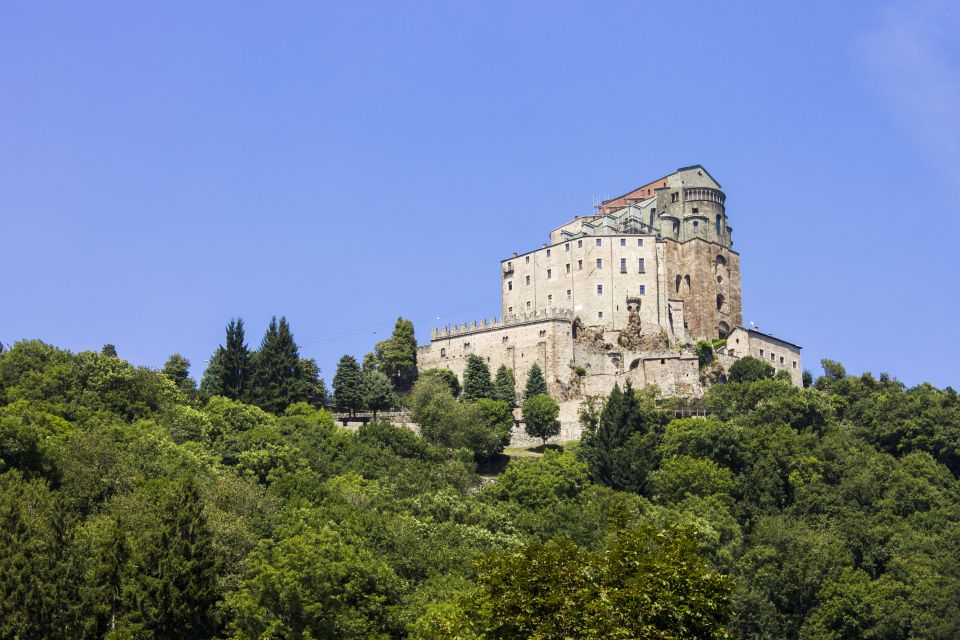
230,369
535,382
476,379
174,588
378,393
398,356
348,385
277,373
109,350
370,362
505,386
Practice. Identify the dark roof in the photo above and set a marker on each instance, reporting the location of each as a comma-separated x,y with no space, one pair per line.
767,335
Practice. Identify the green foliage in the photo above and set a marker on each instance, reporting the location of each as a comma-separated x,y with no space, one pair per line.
397,356
704,351
482,427
749,369
542,483
377,391
348,385
280,376
540,416
643,584
230,369
476,379
505,386
447,376
177,368
536,384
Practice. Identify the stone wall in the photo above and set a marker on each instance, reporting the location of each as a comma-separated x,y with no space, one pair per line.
782,355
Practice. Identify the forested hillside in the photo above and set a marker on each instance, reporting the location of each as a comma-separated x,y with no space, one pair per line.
135,505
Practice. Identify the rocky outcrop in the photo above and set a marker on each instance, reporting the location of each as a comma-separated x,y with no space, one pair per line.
592,336
635,338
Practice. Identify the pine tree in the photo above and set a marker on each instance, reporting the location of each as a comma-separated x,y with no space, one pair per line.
173,590
476,379
535,382
348,385
277,373
229,371
398,356
109,351
505,386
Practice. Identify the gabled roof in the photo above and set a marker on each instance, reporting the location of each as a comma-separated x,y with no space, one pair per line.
656,184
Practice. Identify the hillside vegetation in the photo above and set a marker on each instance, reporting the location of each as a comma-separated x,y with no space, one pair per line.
133,505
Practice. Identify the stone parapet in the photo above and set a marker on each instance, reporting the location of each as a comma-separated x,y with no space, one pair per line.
450,331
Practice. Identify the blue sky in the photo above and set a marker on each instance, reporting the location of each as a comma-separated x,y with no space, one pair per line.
164,168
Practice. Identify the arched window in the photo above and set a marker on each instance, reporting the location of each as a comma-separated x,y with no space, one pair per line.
721,261
686,282
676,227
718,226
679,280
723,330
720,301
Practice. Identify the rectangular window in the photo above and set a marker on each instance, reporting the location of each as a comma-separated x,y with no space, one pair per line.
579,264
781,359
674,197
528,304
543,333
623,265
639,242
598,242
643,289
509,285
696,210
549,273
579,244
600,314
772,357
599,289
509,309
550,298
599,263
548,253
568,267
761,353
566,247
528,259
642,266
569,293
509,266
623,242
794,364
528,279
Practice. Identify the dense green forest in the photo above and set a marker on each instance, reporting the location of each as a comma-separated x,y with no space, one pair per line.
137,504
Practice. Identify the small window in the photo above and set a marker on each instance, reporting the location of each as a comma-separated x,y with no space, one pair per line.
566,247
598,242
662,361
642,266
674,197
623,265
599,263
643,289
639,242
794,364
528,304
772,357
568,267
761,351
696,225
548,253
549,273
528,259
781,359
504,339
509,285
509,266
509,309
696,210
528,279
600,314
579,244
550,298
579,264
543,333
466,345
599,289
569,294
623,242
443,353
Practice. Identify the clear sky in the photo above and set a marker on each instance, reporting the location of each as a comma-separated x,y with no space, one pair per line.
167,166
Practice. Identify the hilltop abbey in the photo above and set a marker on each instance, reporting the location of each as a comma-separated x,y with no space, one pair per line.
619,295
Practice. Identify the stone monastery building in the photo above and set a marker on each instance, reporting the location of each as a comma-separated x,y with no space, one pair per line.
621,295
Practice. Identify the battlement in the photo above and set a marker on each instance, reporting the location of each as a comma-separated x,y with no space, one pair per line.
552,314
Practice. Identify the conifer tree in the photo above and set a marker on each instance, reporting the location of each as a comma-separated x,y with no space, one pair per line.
277,374
535,382
476,379
229,371
109,350
173,590
505,386
370,362
348,385
397,356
